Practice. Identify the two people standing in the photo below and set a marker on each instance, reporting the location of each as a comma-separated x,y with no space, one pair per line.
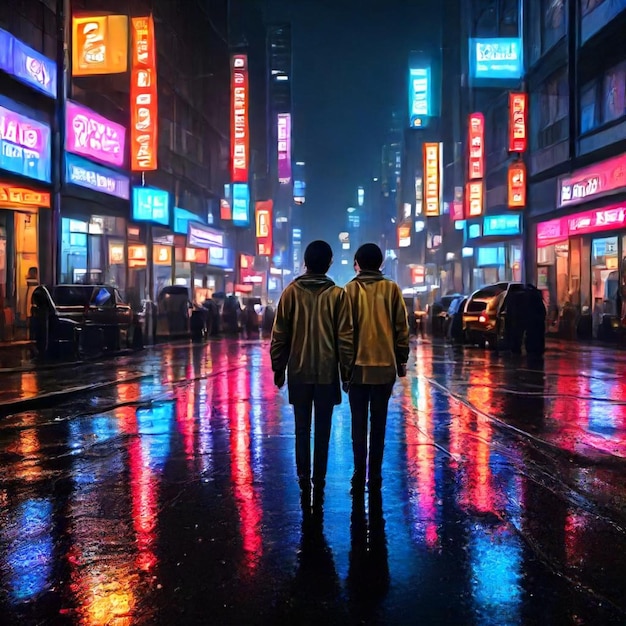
324,335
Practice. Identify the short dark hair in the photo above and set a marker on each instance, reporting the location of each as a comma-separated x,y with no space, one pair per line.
318,256
369,257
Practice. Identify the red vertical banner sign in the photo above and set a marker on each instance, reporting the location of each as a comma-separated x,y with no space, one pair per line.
474,199
143,97
476,144
518,125
433,180
517,185
240,134
263,220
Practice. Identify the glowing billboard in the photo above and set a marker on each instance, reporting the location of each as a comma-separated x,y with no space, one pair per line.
263,218
419,96
432,175
240,134
518,128
476,141
151,205
143,97
284,148
241,204
498,59
99,44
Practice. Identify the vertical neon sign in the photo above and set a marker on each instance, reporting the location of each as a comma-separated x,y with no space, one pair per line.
240,137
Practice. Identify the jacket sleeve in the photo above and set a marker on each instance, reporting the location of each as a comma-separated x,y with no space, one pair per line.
401,327
280,346
345,336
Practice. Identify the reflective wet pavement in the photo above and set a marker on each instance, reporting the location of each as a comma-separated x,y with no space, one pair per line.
167,495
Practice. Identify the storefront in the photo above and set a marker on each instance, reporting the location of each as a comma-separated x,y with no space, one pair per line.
25,216
580,260
95,201
492,250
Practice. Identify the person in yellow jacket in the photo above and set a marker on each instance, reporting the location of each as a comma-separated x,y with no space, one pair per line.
381,352
312,338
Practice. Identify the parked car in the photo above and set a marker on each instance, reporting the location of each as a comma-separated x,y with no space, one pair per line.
173,312
482,311
437,313
70,318
453,323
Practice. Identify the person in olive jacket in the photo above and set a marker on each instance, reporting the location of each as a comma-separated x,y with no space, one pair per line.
312,339
382,349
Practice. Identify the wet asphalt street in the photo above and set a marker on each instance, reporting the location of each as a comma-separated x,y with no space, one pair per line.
162,490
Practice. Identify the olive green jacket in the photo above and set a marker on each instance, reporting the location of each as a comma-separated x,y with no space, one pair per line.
312,336
380,326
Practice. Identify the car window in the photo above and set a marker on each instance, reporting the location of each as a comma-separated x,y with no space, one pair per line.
72,295
487,293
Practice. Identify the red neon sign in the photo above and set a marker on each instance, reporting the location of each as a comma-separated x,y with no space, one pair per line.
240,134
476,144
518,128
517,185
143,97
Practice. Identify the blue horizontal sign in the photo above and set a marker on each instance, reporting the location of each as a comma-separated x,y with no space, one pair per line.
27,65
199,236
502,225
182,217
86,174
151,205
496,59
221,257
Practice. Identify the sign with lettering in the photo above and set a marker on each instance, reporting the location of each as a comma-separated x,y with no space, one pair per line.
516,188
432,191
27,65
474,199
496,59
284,148
602,178
199,236
24,145
518,131
241,204
476,145
99,44
94,136
151,205
96,177
15,196
143,97
240,134
264,237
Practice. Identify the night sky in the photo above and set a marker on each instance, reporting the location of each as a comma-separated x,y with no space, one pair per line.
350,67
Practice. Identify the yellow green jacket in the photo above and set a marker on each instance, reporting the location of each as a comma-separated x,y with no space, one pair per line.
312,336
380,326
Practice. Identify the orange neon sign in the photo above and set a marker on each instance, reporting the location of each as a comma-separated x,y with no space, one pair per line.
517,185
100,44
474,198
518,127
240,135
14,196
264,227
143,97
432,178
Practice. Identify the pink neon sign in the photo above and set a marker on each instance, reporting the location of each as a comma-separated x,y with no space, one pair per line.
590,182
93,136
598,220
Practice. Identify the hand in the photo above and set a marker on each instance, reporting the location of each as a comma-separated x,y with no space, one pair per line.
345,386
279,378
401,370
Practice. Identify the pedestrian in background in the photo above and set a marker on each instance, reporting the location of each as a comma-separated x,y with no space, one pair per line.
312,339
381,348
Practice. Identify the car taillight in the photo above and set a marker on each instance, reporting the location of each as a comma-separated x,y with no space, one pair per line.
482,319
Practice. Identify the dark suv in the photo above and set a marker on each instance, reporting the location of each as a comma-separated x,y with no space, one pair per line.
482,312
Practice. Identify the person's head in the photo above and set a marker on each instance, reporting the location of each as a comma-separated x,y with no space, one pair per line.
368,258
318,257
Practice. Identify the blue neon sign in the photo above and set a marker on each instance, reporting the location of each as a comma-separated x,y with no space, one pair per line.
499,225
151,205
419,96
496,59
241,204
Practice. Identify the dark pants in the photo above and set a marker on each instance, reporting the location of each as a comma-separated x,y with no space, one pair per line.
369,401
322,399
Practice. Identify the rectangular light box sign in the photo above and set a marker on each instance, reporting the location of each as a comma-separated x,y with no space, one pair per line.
151,205
241,204
498,59
419,96
96,177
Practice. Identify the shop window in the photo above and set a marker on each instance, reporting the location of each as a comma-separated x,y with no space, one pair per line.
604,273
553,22
603,100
